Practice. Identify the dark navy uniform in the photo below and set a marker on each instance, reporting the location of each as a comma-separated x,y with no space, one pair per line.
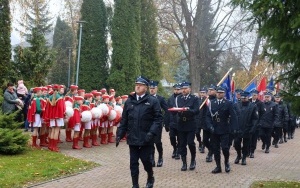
141,120
282,122
292,122
247,119
221,119
187,125
261,110
172,123
266,123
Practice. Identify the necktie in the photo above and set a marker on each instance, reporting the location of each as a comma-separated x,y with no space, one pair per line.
140,98
219,102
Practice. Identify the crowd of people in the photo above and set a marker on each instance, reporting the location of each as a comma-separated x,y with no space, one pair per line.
216,123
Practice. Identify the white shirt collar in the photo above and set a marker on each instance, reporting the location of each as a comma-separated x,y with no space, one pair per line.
137,96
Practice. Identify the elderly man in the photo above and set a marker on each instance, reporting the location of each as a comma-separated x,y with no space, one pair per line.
10,100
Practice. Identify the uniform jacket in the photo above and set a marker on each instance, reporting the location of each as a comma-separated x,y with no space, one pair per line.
172,120
221,117
260,106
9,102
201,123
187,119
283,115
139,118
270,116
247,118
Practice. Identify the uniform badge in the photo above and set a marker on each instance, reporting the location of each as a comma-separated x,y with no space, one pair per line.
147,103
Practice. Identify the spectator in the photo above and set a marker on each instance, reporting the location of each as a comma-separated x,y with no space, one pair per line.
10,100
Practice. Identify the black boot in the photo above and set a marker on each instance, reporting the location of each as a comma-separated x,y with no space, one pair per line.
135,182
174,153
193,164
244,160
209,157
152,160
218,168
150,180
184,165
177,156
227,166
267,150
160,160
252,155
237,160
202,148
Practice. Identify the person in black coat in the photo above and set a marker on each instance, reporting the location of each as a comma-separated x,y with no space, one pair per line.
247,119
221,120
292,122
141,120
172,122
266,122
187,124
261,110
201,119
157,139
282,123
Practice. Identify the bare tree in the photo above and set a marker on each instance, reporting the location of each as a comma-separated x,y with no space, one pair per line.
202,29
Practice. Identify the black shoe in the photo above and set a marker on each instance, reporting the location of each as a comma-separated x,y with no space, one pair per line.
267,150
184,167
209,158
160,162
263,147
193,165
150,182
202,149
227,167
174,154
177,156
237,160
285,140
251,155
216,170
276,145
281,141
244,161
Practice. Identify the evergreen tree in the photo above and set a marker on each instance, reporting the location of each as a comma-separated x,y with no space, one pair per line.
62,39
93,70
37,58
126,43
5,47
151,67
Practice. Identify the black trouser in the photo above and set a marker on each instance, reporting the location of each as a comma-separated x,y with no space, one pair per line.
198,136
143,153
265,135
174,138
206,139
158,144
238,145
253,141
277,134
187,138
217,141
291,129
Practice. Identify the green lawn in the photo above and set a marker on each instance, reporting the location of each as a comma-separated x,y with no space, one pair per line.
36,166
275,184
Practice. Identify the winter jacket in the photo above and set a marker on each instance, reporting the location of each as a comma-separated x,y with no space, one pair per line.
9,102
283,115
270,116
140,118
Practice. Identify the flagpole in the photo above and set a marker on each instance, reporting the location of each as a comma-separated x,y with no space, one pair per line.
252,80
220,82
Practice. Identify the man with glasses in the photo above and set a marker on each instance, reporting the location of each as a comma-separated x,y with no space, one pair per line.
266,122
221,119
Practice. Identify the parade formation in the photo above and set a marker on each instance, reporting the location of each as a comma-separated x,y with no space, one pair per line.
215,122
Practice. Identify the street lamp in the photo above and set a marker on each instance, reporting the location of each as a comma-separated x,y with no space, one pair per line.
79,46
69,72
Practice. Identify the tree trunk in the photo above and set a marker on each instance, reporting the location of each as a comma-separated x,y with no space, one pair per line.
255,53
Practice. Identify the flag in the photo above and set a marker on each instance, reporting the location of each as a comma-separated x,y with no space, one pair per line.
270,86
233,95
227,86
251,86
261,88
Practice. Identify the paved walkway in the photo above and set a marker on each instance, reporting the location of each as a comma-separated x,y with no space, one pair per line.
281,163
